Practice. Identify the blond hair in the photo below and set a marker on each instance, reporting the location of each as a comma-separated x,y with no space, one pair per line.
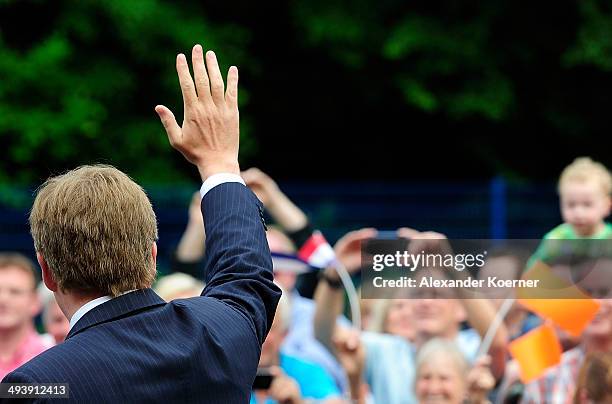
176,284
16,260
584,169
439,347
95,227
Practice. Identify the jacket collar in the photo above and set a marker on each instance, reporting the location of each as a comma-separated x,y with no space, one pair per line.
120,306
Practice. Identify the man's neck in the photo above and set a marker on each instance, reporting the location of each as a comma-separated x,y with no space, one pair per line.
12,338
71,302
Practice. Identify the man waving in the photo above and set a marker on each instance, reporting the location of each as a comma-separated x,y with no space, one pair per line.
95,235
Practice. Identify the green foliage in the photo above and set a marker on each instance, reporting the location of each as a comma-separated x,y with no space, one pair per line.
449,57
424,52
594,40
82,87
79,79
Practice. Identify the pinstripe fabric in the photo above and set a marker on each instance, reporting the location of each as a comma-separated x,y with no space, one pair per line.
137,348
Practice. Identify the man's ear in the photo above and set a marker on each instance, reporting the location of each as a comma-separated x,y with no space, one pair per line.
154,254
47,276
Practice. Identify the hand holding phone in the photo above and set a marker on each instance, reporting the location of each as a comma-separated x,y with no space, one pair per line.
263,379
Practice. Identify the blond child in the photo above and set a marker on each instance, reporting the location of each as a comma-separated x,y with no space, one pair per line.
585,188
584,191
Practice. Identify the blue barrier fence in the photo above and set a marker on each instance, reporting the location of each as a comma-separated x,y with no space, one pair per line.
493,209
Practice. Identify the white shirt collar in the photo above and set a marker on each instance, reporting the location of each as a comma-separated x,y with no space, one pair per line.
90,305
84,309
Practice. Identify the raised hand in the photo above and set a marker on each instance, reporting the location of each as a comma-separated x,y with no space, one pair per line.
480,380
351,355
281,208
349,351
428,241
348,248
209,135
284,389
262,185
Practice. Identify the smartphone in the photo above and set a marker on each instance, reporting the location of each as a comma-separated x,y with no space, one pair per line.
263,379
385,242
386,235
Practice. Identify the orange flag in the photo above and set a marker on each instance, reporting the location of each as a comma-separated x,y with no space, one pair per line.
536,351
558,300
572,315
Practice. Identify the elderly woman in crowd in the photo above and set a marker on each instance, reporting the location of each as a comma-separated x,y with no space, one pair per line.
443,375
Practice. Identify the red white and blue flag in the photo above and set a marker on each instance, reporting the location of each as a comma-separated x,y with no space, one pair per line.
317,252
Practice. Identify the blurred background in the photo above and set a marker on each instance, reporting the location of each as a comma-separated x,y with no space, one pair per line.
452,116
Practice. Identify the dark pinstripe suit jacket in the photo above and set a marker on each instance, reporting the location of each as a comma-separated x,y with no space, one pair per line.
137,348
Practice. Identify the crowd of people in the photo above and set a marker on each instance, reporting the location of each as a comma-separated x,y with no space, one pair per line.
425,349
407,350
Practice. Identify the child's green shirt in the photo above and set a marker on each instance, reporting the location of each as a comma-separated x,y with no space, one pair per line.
565,231
549,250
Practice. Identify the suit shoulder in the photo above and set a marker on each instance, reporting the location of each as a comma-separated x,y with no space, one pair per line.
210,310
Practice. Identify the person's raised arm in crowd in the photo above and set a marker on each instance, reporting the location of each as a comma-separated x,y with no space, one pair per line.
238,264
351,353
329,296
284,212
191,245
189,254
296,231
190,250
344,343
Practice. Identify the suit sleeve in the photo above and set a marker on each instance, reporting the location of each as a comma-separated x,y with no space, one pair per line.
238,265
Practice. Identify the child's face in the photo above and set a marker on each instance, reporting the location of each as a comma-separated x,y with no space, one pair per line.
584,206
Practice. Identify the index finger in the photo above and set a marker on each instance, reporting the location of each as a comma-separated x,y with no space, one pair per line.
185,80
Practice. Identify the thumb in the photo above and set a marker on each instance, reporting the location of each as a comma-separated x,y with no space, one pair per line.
173,130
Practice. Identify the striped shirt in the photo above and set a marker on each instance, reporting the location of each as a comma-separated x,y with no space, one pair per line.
558,384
